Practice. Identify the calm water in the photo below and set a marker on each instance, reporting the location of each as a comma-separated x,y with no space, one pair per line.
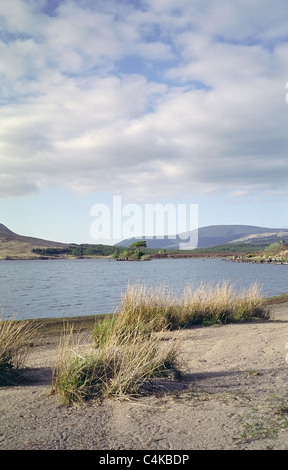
66,288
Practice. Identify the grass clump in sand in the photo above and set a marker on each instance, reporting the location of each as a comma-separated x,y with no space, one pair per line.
220,304
142,312
156,308
15,342
116,367
128,348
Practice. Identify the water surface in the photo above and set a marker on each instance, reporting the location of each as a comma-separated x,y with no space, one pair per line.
67,288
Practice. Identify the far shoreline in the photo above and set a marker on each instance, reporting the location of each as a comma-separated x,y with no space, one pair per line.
232,257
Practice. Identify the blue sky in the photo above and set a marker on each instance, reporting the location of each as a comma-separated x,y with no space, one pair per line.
154,101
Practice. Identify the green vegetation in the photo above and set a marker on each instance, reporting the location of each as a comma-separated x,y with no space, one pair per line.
266,426
277,299
273,249
78,251
15,341
134,252
275,252
229,248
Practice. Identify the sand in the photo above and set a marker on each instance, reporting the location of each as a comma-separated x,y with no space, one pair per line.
233,396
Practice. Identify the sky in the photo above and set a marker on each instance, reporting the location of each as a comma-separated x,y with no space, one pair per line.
123,104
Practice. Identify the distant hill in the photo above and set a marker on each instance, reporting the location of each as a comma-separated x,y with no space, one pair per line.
14,246
214,235
8,235
17,246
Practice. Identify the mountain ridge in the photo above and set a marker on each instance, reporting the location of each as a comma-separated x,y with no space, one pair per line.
213,235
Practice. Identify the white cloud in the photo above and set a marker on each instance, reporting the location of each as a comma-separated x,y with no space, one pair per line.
210,114
17,16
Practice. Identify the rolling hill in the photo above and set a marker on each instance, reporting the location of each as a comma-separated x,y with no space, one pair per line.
214,235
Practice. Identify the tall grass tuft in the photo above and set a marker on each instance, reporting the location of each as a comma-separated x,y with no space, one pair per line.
143,311
78,374
220,304
15,342
117,368
146,307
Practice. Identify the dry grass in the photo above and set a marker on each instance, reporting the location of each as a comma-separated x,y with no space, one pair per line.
118,367
15,249
15,343
207,304
145,309
220,304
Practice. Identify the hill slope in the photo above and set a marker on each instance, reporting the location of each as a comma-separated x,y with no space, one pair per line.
214,235
14,246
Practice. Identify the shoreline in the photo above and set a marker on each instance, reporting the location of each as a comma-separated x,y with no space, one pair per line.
53,326
233,257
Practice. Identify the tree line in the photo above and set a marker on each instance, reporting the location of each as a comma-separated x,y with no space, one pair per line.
76,250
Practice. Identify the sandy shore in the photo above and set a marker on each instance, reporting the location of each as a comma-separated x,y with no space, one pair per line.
233,396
